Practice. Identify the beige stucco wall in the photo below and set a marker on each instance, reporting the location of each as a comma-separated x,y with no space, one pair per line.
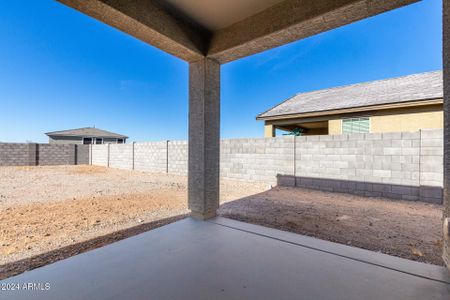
269,130
407,119
334,127
407,122
396,120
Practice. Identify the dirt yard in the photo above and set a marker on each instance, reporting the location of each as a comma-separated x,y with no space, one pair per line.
50,213
411,230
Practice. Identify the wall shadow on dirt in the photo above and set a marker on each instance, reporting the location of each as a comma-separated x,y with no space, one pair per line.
27,264
424,193
410,230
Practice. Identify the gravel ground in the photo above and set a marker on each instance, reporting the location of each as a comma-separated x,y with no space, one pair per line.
50,213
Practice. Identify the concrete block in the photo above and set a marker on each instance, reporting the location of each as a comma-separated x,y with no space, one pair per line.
364,186
432,142
392,135
410,151
431,192
392,151
431,159
432,134
410,167
286,180
410,198
356,136
382,173
389,195
383,188
373,136
341,137
411,135
405,190
373,194
429,177
432,151
313,138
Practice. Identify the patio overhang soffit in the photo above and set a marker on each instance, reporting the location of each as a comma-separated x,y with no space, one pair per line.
226,30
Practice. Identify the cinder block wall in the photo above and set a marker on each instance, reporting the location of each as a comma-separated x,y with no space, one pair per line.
257,159
404,165
177,157
15,154
150,157
82,155
121,156
100,155
30,154
395,165
55,154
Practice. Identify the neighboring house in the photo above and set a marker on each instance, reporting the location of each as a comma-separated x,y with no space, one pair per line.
408,103
87,135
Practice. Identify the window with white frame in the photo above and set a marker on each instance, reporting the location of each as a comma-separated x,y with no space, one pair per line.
356,125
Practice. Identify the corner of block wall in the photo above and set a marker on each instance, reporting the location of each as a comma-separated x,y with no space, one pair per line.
446,231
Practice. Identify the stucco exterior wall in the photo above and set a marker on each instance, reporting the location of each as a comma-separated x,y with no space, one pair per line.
406,119
77,140
407,122
334,127
65,140
269,130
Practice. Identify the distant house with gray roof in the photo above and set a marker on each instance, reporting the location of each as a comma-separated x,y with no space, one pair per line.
87,135
408,103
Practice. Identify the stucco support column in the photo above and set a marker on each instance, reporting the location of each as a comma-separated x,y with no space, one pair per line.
446,62
204,138
269,130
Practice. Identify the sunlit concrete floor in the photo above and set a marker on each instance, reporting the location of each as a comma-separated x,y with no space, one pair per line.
226,259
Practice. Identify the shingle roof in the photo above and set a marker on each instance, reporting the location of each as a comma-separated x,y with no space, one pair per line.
423,86
87,132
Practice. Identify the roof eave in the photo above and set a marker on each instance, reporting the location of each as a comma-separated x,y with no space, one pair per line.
88,135
422,102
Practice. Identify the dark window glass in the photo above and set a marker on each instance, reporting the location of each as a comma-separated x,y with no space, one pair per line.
87,141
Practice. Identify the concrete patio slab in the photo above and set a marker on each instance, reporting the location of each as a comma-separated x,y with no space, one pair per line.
225,259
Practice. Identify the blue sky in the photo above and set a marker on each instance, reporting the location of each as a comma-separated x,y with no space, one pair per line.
60,69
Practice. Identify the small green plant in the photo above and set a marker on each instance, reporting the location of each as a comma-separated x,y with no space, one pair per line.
296,132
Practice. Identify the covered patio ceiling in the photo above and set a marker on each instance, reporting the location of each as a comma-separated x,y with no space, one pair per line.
226,30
